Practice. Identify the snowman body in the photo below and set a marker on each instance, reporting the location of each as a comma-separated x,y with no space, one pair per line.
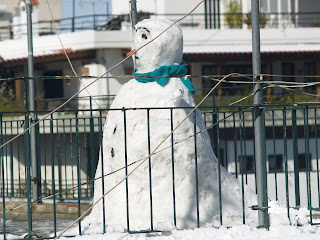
180,182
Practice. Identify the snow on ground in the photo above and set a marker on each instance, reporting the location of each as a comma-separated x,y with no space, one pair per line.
280,228
306,232
298,228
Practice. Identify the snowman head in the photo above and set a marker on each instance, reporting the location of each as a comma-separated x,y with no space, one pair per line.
164,51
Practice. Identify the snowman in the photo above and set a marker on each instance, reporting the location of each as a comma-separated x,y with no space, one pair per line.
178,186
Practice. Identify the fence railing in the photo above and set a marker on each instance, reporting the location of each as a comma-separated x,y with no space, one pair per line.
68,146
193,21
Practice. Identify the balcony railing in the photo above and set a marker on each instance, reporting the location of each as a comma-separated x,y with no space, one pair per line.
193,21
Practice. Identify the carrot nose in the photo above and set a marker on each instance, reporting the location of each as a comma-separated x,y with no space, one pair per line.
131,52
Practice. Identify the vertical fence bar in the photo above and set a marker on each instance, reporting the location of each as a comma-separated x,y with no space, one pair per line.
307,159
317,152
78,172
28,174
86,160
59,160
285,146
150,175
235,145
126,164
225,140
65,156
245,146
92,145
214,124
6,158
295,156
102,172
173,178
38,158
196,165
3,185
53,177
254,156
219,168
45,158
71,157
19,161
274,157
241,167
11,161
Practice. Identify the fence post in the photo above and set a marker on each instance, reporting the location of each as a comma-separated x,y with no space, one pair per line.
27,158
295,153
259,128
31,88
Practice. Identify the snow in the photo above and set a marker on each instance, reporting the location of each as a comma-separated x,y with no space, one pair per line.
280,229
164,51
244,232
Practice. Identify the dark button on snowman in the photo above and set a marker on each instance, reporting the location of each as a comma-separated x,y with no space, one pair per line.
160,58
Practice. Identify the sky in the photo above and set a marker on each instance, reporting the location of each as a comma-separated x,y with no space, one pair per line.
85,7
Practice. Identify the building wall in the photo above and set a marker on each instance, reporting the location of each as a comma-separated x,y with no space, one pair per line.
56,6
157,6
308,6
281,184
106,58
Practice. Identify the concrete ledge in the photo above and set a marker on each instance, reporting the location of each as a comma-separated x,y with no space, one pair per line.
43,211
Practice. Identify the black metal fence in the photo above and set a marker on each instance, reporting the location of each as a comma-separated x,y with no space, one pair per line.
68,145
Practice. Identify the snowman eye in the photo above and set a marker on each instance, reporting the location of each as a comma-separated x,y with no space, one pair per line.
144,36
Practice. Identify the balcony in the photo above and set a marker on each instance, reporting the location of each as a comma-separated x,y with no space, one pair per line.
194,21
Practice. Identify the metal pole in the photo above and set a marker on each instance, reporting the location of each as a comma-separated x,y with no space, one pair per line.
33,145
73,14
134,15
259,129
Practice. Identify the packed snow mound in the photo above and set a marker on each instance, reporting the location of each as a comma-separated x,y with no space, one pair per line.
163,51
176,179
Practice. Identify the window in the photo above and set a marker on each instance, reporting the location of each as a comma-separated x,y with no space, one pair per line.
302,161
288,69
247,163
232,88
53,87
275,163
207,84
309,69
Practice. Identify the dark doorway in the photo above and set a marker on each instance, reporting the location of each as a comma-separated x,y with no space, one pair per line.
53,87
